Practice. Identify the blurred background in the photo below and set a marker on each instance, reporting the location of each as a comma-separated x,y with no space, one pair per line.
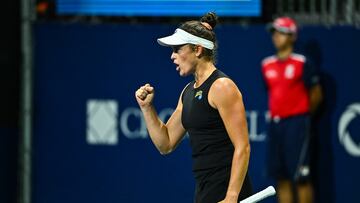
70,127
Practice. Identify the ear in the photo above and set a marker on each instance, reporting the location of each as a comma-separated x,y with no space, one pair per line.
198,50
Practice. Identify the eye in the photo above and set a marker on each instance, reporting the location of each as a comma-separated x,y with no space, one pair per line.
176,48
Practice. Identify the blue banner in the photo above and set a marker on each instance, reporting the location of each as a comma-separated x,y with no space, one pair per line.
90,140
158,7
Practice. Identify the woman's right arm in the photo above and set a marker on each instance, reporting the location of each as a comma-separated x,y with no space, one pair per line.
164,136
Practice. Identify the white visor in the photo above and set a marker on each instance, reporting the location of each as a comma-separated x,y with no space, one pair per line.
181,37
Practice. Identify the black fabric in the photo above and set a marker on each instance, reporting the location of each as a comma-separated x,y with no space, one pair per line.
212,149
211,145
211,187
288,148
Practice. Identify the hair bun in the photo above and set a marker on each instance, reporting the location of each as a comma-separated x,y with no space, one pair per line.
211,18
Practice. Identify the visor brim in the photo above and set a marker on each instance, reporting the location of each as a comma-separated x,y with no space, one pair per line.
172,40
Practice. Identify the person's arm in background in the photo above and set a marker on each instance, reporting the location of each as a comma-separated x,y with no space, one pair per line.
312,82
316,97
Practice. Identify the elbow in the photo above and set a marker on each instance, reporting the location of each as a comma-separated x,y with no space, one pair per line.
243,151
247,150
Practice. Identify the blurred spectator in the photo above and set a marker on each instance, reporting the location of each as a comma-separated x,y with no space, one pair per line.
294,92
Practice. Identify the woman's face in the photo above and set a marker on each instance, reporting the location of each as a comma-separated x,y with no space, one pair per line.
185,59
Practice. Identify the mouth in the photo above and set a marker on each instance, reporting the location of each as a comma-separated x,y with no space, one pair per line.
177,66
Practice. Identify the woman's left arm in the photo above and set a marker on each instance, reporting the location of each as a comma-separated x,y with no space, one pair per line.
227,99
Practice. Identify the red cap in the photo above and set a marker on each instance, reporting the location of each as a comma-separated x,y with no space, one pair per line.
284,25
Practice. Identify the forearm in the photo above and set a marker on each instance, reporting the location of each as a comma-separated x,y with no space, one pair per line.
316,98
157,129
239,169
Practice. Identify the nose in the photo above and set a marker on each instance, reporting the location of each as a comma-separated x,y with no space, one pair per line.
172,56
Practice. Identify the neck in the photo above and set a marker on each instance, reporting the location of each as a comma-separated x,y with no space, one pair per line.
203,71
284,53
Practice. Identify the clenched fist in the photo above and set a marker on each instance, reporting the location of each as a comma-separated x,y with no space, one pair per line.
145,95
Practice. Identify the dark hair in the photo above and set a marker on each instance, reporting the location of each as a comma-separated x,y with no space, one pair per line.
198,29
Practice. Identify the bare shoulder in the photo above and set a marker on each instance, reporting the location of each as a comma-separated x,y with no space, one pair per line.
223,90
224,86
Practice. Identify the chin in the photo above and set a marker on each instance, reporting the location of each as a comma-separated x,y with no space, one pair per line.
183,74
186,71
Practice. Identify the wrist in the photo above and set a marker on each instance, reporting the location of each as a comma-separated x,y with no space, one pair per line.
147,108
232,195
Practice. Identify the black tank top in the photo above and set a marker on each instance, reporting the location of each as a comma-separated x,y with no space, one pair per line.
210,143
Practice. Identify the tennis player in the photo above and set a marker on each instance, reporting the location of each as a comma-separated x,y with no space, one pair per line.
210,109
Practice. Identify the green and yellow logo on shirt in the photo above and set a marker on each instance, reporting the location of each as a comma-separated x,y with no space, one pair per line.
198,94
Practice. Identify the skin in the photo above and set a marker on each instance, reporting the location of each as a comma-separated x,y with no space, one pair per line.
284,43
223,96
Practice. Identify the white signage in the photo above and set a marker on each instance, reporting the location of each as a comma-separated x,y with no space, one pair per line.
102,122
345,138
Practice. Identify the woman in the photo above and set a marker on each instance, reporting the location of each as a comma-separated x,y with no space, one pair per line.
210,109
